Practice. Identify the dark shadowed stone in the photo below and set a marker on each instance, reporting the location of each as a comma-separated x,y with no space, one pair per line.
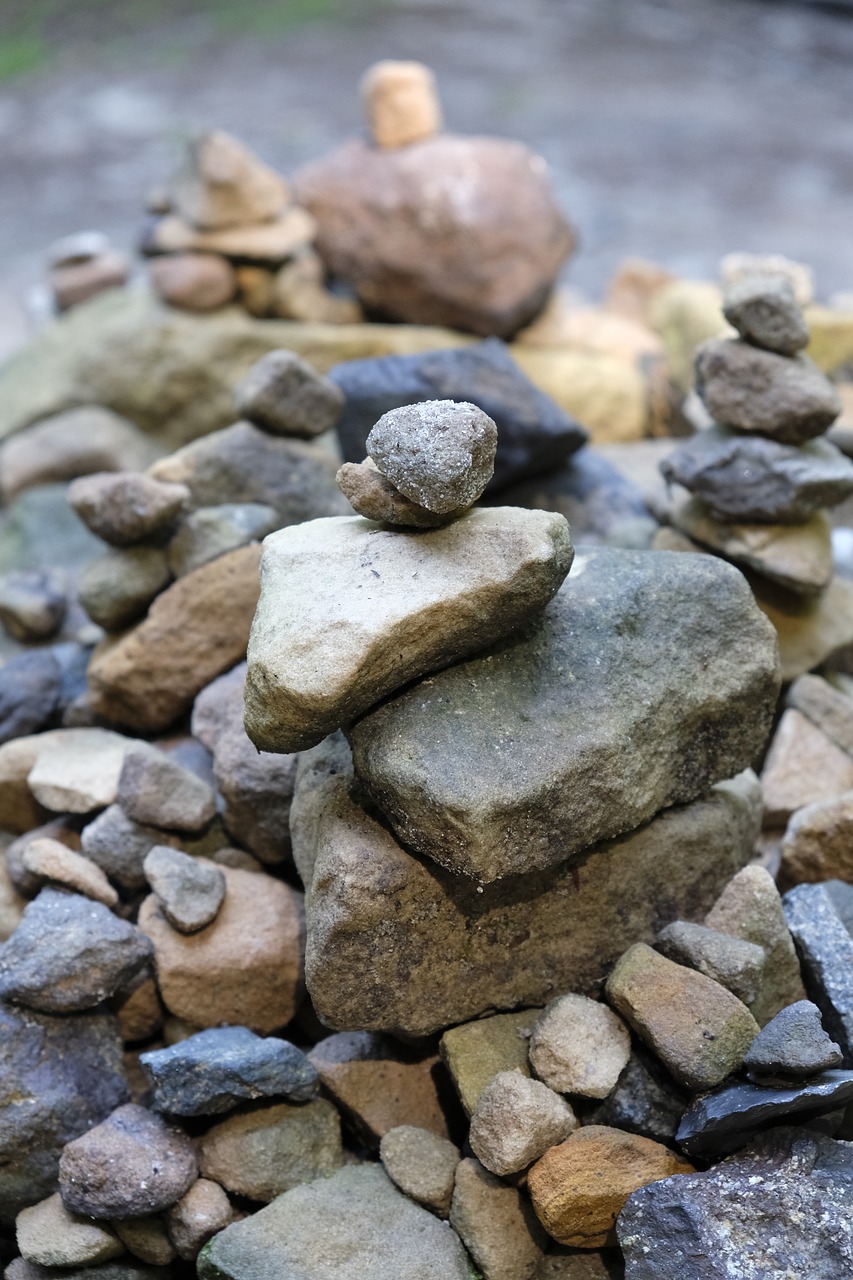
214,1070
782,1208
534,434
58,1077
644,1101
30,691
630,693
127,1268
793,1045
726,1119
827,707
825,949
69,953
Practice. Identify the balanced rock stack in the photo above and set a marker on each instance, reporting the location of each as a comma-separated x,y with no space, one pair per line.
761,479
228,229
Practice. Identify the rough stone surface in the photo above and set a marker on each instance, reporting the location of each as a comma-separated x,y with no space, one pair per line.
802,767
222,184
190,891
559,761
212,531
695,1026
117,587
245,968
146,1238
126,506
396,945
809,630
50,1236
355,1223
198,1215
646,1100
194,281
350,612
475,1052
400,102
76,770
371,495
118,845
129,1165
70,444
766,313
753,390
817,844
792,1045
284,395
579,1046
734,963
825,948
421,1164
579,1188
827,707
440,454
30,693
271,242
68,954
33,604
496,1224
156,790
263,1152
515,1122
53,861
214,1070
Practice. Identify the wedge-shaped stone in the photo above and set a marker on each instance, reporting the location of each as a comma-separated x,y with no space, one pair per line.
396,944
647,679
349,611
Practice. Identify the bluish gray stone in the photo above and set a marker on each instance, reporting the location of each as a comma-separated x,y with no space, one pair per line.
646,1100
30,690
825,949
793,1045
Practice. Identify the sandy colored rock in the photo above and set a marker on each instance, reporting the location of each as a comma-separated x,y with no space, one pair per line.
736,964
515,1122
69,444
50,860
272,1148
496,1224
401,103
809,630
189,891
373,496
117,587
698,1029
766,313
440,454
198,1215
138,1009
194,631
476,1051
126,506
803,766
268,242
77,770
735,267
579,1046
818,843
223,184
146,1238
826,706
633,285
578,1189
349,612
283,394
421,1164
50,1236
194,281
155,789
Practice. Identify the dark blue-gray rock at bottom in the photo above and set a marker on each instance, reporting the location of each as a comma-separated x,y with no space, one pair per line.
825,950
214,1070
729,1118
779,1210
534,433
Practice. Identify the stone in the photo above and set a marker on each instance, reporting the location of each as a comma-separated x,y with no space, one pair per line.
809,630
371,495
198,1215
11,904
49,1236
646,1100
730,1117
138,1009
751,478
126,506
73,283
33,604
68,954
817,842
827,708
378,1084
439,453
117,588
245,968
49,860
61,829
802,767
633,285
793,1045
189,891
579,1046
750,908
405,245
735,267
736,964
266,1151
212,531
214,1070
788,399
516,1121
356,1223
563,1263
400,102
374,911
283,394
39,528
125,1269
756,1212
223,184
575,773
156,790
825,949
349,612
533,433
70,444
118,846
268,243
146,1238
698,1029
20,811
193,281
195,630
129,1165
30,693
766,313
298,292
496,1224
77,770
475,1052
684,313
422,1165
579,1188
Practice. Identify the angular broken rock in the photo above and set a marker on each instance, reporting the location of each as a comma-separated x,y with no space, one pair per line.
373,911
818,842
77,770
272,1147
189,890
222,184
476,1051
575,729
579,1046
440,454
495,1223
126,506
118,845
400,102
802,767
284,395
516,1121
349,612
825,948
53,861
421,1164
155,789
766,313
792,1045
734,963
373,496
827,708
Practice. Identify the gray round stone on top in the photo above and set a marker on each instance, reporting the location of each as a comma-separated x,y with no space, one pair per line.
441,454
765,312
189,890
793,1045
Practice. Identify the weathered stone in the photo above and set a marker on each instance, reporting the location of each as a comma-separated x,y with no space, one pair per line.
350,612
126,506
194,281
214,1070
61,829
827,707
146,1238
271,1148
155,789
421,1164
564,1263
73,283
809,630
298,292
269,242
118,846
117,588
373,496
284,395
496,1224
194,631
440,453
579,1188
30,693
475,1052
825,948
818,843
48,859
734,963
357,1218
125,1269
129,1165
695,1026
212,531
575,772
245,968
198,1215
189,891
400,102
70,444
76,770
579,1046
793,1045
33,604
788,399
803,767
11,904
738,266
375,913
766,313
222,184
515,1122
68,954
138,1009
646,1100
50,1236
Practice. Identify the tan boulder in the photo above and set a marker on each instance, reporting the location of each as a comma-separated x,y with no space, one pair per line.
818,843
50,860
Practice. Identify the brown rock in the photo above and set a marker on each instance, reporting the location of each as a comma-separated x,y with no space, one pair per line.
49,860
827,708
579,1046
194,631
802,767
476,1051
74,443
578,1189
245,968
146,1238
193,281
124,507
496,1224
138,1009
74,282
517,1119
818,843
421,1164
400,102
265,1151
809,630
299,293
375,497
155,789
222,184
198,1215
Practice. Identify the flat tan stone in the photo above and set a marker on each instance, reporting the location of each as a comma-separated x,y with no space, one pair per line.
818,843
77,770
50,860
223,184
802,766
271,241
49,1235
